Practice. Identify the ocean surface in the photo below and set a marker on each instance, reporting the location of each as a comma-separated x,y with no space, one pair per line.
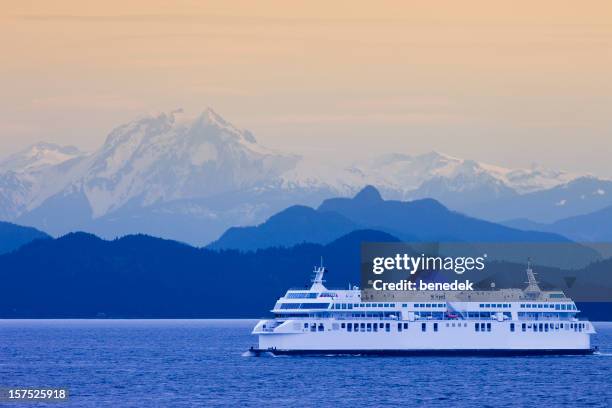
174,363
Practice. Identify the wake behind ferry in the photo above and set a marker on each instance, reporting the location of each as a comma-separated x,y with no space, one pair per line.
527,321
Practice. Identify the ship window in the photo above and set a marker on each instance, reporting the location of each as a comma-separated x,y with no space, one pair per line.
482,327
488,326
482,305
387,327
404,304
305,325
349,326
343,325
511,327
375,327
541,327
369,327
476,327
301,295
523,327
381,325
428,305
362,326
435,327
405,326
399,327
423,326
313,327
321,328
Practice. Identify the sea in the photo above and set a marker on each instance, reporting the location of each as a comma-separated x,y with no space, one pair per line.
184,363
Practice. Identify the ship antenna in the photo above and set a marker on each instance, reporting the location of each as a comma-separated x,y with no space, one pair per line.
532,283
318,280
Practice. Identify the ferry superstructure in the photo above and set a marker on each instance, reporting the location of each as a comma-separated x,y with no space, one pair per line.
526,321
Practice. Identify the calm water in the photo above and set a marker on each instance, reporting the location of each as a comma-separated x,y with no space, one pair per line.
197,362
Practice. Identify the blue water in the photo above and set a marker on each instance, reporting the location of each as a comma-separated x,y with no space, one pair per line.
149,363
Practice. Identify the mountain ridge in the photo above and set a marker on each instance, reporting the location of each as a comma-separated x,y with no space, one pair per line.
419,220
169,169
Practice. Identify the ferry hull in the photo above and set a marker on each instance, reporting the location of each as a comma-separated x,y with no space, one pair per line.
428,352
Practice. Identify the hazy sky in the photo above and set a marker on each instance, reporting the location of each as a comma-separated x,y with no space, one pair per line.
505,82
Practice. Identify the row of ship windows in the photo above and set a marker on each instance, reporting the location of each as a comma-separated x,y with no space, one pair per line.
498,305
298,295
546,327
556,306
478,327
368,327
350,306
416,305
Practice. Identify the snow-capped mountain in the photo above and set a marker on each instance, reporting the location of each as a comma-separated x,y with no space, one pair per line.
169,157
147,163
190,178
402,172
38,157
33,174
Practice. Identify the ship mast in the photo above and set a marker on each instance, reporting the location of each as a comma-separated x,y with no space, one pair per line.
317,281
533,289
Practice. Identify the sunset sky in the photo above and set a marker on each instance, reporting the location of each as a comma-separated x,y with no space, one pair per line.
510,83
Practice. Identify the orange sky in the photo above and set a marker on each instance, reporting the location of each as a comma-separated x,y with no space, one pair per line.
505,82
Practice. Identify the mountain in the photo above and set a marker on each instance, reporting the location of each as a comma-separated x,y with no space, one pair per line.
289,227
594,227
164,169
426,219
33,174
82,276
420,220
580,196
39,156
405,172
192,178
14,236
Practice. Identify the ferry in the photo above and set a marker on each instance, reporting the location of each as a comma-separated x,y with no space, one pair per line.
502,322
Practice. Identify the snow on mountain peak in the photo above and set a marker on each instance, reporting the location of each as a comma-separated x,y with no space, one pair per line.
39,156
171,156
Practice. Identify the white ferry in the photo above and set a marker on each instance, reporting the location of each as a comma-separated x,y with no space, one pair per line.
525,322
